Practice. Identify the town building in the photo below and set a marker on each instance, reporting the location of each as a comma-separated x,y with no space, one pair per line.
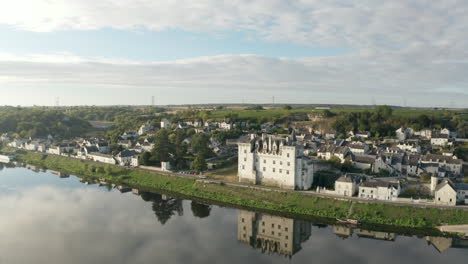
104,158
379,190
347,185
446,192
145,128
273,160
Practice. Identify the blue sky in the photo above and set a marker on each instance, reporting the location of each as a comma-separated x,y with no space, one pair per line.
145,45
310,51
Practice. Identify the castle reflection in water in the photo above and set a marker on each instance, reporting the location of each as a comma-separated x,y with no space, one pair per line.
285,236
272,234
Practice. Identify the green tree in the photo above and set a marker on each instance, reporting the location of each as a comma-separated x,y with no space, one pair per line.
145,158
287,107
200,143
199,164
162,147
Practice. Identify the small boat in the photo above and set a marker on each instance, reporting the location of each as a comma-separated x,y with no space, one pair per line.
351,221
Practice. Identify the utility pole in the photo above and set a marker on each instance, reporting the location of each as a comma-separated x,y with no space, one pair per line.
152,100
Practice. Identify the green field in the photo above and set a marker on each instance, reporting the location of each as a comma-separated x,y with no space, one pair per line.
283,202
277,113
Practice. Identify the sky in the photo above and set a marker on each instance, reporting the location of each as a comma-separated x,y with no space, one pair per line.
109,52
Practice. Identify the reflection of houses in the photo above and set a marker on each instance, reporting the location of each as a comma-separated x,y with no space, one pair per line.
443,243
272,234
375,235
344,231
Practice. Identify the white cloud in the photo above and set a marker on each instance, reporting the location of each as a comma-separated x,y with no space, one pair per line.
355,77
401,48
359,24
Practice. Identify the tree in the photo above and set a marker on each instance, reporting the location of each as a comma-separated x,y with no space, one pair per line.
200,143
199,164
145,158
287,107
162,147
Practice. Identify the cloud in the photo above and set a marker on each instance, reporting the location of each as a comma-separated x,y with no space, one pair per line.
400,49
360,24
356,78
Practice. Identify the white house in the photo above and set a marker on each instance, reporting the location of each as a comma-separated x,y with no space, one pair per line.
125,158
358,148
329,151
166,123
450,164
440,140
104,158
347,185
145,128
273,160
409,147
226,125
379,190
403,133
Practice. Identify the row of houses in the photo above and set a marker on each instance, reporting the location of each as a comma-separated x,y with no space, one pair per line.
352,184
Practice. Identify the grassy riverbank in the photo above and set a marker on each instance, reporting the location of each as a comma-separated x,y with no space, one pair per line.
287,202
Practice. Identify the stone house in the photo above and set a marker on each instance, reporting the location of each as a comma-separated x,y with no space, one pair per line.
380,190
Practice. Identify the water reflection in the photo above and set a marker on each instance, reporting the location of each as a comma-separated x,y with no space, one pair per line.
59,220
272,234
164,207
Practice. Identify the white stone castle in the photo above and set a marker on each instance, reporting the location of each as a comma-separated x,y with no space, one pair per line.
275,161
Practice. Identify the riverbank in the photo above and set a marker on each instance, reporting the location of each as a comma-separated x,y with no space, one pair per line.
285,202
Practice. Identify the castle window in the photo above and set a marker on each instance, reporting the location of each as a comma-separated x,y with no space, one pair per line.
281,163
287,172
263,231
243,167
274,162
279,234
289,163
281,171
272,232
279,226
273,169
264,161
286,229
263,223
244,228
264,168
245,236
242,220
286,237
245,159
245,151
287,155
285,244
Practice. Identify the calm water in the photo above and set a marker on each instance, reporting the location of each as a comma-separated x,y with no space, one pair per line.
48,219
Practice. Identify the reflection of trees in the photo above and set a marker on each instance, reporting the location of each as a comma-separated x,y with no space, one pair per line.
164,207
200,210
1,166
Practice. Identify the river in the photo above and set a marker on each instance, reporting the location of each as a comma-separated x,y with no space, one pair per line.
47,218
